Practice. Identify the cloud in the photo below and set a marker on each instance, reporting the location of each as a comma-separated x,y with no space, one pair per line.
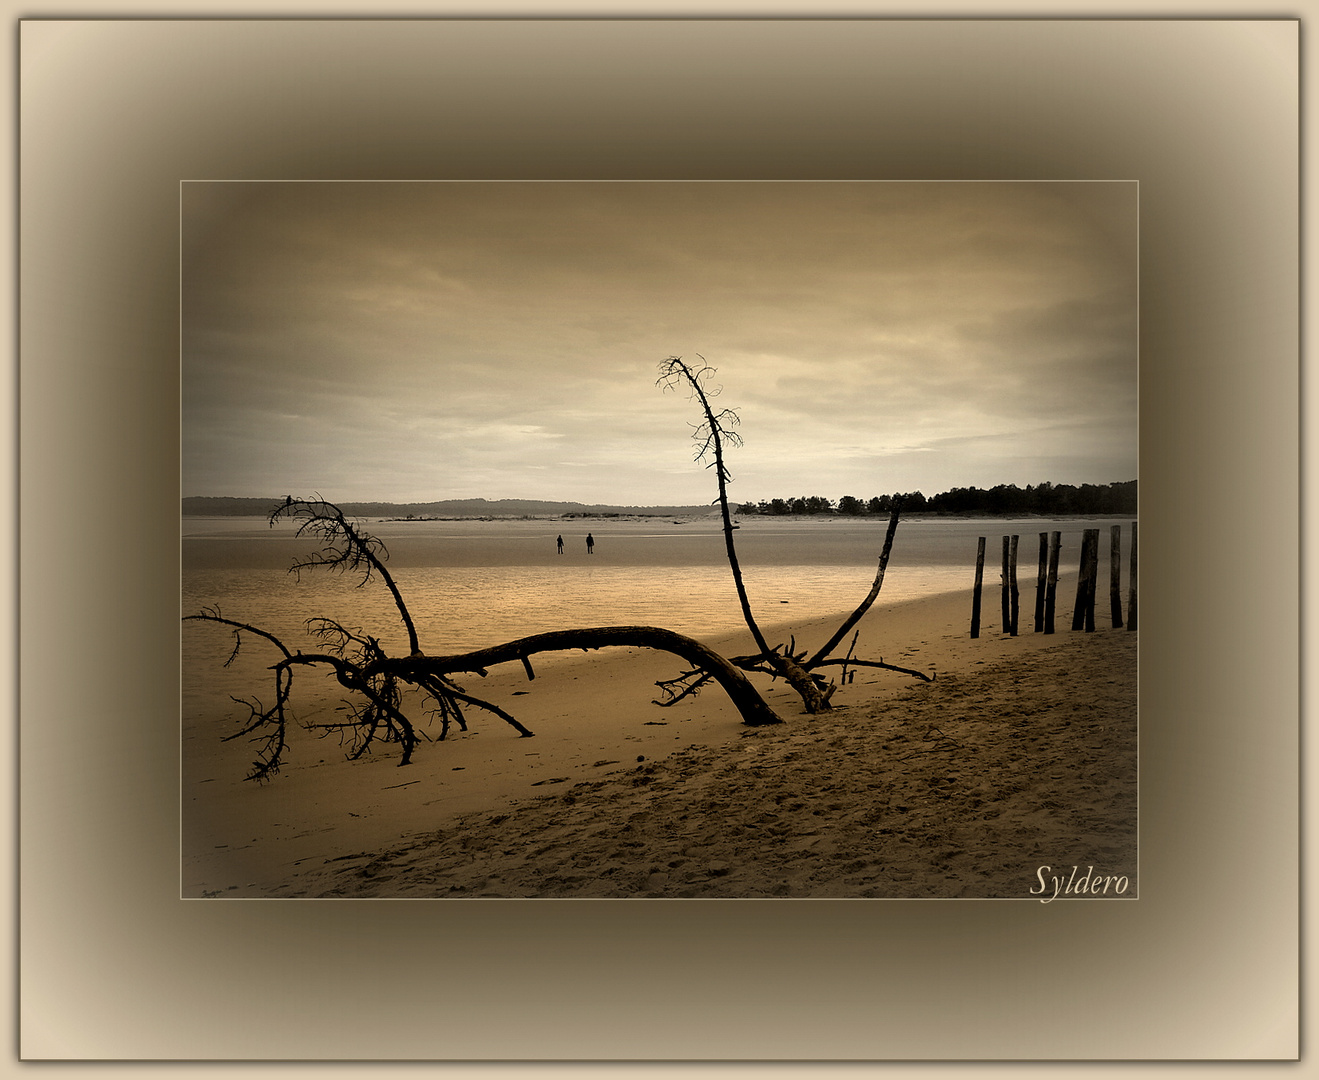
513,331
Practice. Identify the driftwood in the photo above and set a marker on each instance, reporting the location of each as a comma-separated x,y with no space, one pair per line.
379,681
379,678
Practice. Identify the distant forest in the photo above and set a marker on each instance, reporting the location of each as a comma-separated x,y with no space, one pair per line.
1005,499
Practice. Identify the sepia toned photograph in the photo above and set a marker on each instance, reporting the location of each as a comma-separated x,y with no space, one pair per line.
610,540
826,333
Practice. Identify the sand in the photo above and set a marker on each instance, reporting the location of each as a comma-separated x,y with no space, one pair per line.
1019,756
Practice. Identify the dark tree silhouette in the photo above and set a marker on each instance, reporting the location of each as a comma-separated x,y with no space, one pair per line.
377,680
710,436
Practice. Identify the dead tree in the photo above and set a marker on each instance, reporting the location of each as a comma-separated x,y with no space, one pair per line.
377,680
711,434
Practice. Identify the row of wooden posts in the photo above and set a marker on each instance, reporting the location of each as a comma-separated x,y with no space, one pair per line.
1046,582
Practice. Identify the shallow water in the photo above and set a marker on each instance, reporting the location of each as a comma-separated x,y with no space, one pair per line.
761,541
471,583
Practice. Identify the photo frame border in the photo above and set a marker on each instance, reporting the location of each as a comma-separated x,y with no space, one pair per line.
705,980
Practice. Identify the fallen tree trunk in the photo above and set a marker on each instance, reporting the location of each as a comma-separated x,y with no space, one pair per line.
741,692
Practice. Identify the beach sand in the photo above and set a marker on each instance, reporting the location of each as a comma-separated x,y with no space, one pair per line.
1021,754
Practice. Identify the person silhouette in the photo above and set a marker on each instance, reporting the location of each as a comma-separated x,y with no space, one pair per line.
559,541
590,544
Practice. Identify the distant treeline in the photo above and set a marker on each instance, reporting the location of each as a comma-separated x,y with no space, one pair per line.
1005,499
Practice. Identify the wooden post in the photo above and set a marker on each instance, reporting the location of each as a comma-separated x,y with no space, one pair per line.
1078,608
1013,592
1051,583
1083,613
1131,584
1115,575
1039,582
980,579
1006,599
1092,578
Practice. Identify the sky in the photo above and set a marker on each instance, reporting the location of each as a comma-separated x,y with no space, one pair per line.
412,342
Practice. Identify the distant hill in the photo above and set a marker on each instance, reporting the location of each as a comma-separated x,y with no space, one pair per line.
213,506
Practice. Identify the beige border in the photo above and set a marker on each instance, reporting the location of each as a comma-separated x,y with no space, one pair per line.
1202,966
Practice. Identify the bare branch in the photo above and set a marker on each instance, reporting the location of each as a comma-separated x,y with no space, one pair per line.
853,662
686,685
864,606
345,548
675,373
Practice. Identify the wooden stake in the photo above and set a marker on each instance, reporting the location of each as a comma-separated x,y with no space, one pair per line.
1082,583
975,597
1012,585
1131,583
1115,575
1051,583
1005,595
1078,608
1083,613
1039,582
1092,578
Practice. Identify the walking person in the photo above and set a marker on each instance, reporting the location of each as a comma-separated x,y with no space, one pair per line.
590,544
559,541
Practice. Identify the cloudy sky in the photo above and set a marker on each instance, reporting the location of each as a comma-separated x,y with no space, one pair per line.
411,342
